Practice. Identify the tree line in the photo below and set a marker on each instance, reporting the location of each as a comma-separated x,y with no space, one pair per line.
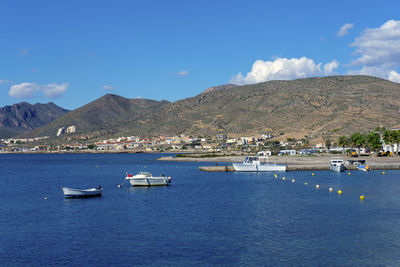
372,140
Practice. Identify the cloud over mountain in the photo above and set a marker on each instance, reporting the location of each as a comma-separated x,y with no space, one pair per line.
284,69
378,51
27,90
279,69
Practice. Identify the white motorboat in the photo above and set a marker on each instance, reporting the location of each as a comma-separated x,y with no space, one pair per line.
337,165
91,192
147,179
254,164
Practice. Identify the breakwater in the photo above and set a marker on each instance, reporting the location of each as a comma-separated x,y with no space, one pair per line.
301,168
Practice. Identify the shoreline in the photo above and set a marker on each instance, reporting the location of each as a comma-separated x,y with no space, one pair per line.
296,163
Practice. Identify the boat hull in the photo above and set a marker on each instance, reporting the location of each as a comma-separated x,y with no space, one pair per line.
146,181
340,168
241,167
81,193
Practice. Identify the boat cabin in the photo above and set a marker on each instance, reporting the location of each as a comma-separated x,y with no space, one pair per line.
337,162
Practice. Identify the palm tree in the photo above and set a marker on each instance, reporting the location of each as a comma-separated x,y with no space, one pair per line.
357,140
396,140
374,141
343,141
388,138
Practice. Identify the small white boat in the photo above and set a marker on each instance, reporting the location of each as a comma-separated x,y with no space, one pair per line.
364,168
147,179
253,164
91,192
337,165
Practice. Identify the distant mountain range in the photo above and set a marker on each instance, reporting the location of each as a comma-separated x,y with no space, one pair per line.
22,117
314,106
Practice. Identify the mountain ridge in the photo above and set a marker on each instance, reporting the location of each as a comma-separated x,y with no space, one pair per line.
319,106
23,116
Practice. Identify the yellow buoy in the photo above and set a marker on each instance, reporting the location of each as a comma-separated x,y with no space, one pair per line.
312,174
317,186
330,189
305,183
275,175
293,180
349,173
339,192
362,197
383,172
283,178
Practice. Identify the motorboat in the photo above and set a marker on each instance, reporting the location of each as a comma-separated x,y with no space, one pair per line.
91,192
255,164
364,168
337,165
147,179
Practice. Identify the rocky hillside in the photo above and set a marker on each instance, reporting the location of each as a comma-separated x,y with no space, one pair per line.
316,107
102,117
22,117
217,88
313,106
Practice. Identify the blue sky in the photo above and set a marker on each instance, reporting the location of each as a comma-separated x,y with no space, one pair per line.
72,52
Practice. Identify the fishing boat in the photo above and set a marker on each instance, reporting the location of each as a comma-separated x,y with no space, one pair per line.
91,192
337,165
147,179
254,164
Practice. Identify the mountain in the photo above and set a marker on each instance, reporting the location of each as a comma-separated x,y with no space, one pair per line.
316,107
313,106
102,116
22,117
220,87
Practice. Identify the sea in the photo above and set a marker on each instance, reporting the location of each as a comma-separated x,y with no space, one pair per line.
201,219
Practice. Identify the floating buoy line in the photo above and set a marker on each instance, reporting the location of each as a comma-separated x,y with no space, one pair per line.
317,187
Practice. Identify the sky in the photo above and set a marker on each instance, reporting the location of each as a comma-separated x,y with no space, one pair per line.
73,52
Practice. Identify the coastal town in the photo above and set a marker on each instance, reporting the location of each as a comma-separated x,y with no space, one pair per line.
266,144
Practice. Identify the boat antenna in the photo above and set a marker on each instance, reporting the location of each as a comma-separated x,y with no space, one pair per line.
126,175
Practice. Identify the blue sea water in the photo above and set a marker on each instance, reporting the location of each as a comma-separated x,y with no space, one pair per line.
224,219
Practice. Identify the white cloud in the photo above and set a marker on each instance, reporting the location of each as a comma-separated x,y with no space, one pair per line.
378,46
378,51
330,67
53,90
394,76
344,30
108,87
279,69
182,73
27,90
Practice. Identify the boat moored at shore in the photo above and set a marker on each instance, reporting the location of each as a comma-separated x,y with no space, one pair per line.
337,165
254,164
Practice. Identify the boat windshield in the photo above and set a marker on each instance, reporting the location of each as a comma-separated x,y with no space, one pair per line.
250,159
145,173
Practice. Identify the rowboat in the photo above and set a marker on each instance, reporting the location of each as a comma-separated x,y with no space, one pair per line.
91,192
